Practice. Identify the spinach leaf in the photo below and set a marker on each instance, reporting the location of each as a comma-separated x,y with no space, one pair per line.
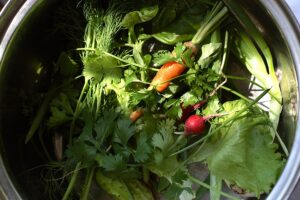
172,38
137,17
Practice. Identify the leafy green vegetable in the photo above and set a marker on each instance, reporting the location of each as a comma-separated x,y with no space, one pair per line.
136,17
246,51
143,148
131,158
246,146
67,66
139,191
114,186
172,38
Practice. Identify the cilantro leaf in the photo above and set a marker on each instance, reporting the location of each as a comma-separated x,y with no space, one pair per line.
172,193
112,162
105,125
81,151
124,130
143,148
165,138
165,168
180,176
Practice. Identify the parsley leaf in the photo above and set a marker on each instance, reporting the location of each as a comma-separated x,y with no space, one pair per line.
209,54
174,109
161,57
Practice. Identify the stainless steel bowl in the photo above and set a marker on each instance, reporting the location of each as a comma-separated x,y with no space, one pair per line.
26,41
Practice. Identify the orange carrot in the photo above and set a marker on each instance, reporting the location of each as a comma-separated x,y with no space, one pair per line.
135,115
167,72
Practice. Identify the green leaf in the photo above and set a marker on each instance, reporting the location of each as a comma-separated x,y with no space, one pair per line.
209,54
124,130
112,162
165,138
179,49
67,66
58,117
161,57
173,108
172,38
212,107
179,177
102,68
61,111
138,190
105,125
250,56
143,148
136,17
172,193
246,145
189,17
80,151
189,98
165,168
119,190
187,191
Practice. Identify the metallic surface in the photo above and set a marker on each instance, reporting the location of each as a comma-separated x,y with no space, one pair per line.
274,21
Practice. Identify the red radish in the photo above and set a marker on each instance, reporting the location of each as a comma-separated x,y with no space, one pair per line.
195,124
186,111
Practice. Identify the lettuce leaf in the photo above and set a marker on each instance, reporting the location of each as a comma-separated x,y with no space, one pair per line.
243,153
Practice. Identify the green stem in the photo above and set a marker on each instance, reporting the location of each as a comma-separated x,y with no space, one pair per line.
131,63
40,133
76,112
284,148
201,183
146,175
72,182
230,119
213,20
87,184
235,93
254,83
40,114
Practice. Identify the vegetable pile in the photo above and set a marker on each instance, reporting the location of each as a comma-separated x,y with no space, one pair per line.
147,96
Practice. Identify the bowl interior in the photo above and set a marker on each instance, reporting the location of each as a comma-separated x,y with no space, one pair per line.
28,63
